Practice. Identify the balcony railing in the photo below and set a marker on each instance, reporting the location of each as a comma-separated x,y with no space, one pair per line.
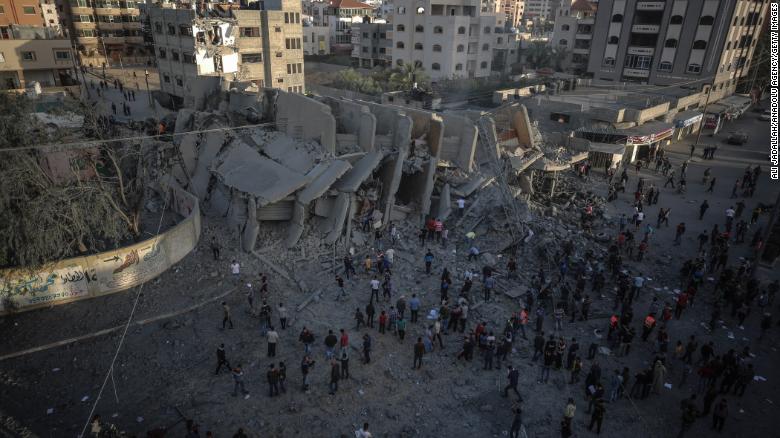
650,6
645,28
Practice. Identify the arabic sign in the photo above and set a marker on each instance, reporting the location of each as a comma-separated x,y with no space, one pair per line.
688,122
49,286
637,140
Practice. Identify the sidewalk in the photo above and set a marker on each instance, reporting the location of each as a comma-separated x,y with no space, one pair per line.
140,108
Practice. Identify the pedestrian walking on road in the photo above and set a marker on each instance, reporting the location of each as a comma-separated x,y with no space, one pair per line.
703,209
419,351
273,339
221,359
238,381
513,375
226,315
272,376
215,247
282,316
335,375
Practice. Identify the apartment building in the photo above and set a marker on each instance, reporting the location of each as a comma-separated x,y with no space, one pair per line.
451,40
21,12
573,33
338,16
543,10
34,54
513,10
370,44
200,50
49,13
694,43
316,37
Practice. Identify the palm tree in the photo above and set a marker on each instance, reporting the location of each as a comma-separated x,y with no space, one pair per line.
403,78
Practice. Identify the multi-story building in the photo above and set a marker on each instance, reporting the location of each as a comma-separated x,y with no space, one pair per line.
573,33
449,40
513,10
35,54
199,50
106,31
51,17
543,10
371,45
694,43
316,37
338,16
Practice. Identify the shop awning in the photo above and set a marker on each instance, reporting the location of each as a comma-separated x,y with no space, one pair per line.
607,148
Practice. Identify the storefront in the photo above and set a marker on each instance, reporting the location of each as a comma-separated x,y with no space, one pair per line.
646,140
687,123
603,155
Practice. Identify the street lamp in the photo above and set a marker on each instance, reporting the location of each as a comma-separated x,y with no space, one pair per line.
146,74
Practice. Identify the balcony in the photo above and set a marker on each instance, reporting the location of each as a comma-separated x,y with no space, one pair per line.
650,6
583,36
587,20
581,50
645,28
109,26
646,51
134,39
632,72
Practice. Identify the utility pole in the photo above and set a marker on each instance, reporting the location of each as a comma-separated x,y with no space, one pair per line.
704,113
146,74
79,70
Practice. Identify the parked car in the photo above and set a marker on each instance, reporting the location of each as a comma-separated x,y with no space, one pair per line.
737,138
764,117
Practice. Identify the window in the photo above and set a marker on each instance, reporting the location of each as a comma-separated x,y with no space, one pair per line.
188,58
166,79
671,43
638,62
179,81
418,64
435,66
157,27
292,43
399,45
699,45
565,27
364,49
436,48
287,18
418,46
171,29
461,30
438,29
162,52
401,10
706,20
400,28
694,68
499,40
617,18
280,80
249,32
483,64
185,30
419,28
28,10
609,62
174,55
613,40
676,19
2,11
485,47
458,67
665,66
486,30
563,42
61,55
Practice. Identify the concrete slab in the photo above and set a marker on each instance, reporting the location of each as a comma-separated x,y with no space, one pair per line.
210,145
245,170
292,154
323,181
351,181
338,217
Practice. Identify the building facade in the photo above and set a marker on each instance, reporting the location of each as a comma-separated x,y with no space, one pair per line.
451,40
513,10
106,31
316,38
338,16
370,44
35,54
22,12
49,13
573,33
694,43
540,9
199,51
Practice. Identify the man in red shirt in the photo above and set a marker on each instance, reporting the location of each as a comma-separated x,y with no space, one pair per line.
682,302
344,342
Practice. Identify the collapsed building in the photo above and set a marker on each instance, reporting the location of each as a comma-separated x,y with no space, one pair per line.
275,157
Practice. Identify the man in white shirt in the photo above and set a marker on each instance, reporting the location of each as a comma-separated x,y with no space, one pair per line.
639,281
730,215
363,432
273,338
389,254
461,206
375,288
235,269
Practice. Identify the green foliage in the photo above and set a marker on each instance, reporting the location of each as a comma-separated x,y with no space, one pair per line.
350,79
539,55
404,77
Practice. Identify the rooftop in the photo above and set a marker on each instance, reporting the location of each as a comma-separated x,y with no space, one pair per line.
349,4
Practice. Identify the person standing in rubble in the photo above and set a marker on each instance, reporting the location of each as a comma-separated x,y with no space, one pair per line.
438,226
428,261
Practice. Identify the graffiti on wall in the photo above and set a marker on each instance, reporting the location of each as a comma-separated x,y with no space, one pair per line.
49,286
133,266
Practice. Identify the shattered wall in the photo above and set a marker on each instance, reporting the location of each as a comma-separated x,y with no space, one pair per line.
460,140
355,125
303,118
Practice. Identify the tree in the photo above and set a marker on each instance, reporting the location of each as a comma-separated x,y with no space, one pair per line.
44,218
538,55
558,57
406,76
350,79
